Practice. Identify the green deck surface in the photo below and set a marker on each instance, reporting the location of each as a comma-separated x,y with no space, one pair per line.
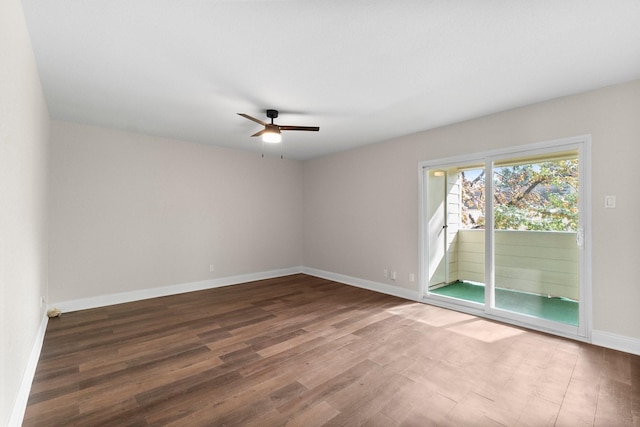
556,309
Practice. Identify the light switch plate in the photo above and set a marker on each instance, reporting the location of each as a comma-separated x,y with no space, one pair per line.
609,202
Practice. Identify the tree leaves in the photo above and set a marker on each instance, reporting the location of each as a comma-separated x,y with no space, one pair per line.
531,196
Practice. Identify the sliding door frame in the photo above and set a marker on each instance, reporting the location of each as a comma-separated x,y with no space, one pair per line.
487,309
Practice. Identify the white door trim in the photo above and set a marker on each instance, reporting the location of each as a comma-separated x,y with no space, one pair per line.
583,144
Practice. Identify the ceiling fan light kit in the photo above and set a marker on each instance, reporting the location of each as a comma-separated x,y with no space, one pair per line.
271,137
271,132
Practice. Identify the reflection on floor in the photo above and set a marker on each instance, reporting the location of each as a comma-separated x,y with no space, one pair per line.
557,309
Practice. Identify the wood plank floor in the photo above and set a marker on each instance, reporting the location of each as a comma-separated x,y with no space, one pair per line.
304,351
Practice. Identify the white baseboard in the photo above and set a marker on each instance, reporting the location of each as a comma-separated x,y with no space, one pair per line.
363,283
615,342
119,298
20,405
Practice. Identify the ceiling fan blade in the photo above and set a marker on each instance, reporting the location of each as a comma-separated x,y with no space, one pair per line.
310,128
253,119
259,133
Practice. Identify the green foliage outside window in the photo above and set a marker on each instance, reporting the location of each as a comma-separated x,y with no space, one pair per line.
531,196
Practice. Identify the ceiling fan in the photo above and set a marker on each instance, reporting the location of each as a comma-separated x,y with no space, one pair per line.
271,131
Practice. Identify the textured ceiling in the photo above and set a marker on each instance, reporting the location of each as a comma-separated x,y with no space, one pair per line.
364,71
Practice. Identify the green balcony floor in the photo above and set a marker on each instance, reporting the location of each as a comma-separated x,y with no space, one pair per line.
556,309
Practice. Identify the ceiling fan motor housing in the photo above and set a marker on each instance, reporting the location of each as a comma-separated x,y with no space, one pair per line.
272,114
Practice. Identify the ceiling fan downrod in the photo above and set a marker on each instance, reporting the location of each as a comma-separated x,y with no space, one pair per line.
272,114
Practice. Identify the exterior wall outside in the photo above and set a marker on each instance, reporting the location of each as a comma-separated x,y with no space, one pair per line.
539,262
454,210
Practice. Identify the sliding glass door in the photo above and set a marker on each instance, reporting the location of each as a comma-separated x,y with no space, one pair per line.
503,235
437,228
456,227
535,222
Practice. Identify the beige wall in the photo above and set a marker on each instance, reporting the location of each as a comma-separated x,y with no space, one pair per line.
24,127
360,213
132,212
361,206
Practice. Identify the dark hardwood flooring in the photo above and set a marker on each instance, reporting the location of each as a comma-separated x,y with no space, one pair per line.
304,351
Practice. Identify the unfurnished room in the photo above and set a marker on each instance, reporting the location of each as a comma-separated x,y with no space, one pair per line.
319,213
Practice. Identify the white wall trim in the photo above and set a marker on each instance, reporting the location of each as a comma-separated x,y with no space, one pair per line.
582,143
616,342
506,151
123,297
20,405
396,291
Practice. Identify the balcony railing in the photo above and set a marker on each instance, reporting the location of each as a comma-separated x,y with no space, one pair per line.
539,262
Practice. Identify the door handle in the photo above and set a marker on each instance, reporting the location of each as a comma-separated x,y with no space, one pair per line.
580,237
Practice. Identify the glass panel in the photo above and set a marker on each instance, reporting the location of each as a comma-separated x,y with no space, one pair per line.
536,257
456,224
436,193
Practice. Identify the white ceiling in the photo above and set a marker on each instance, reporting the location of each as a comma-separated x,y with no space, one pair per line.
364,71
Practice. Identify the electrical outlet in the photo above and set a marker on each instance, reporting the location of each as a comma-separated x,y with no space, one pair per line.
386,273
412,277
211,269
394,275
